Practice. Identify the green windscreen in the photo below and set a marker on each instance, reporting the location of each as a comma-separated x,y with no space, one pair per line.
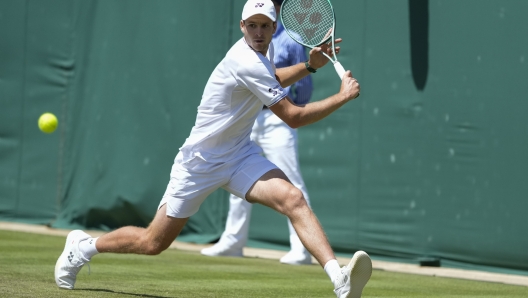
430,161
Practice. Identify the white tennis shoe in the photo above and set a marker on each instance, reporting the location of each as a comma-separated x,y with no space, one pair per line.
297,258
70,261
220,250
354,276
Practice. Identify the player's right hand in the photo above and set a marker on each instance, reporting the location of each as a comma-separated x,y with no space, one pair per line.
349,86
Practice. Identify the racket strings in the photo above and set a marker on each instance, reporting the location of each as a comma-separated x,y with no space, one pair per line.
309,22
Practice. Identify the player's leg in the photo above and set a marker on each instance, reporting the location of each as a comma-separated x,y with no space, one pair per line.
274,190
150,241
191,182
154,239
260,181
279,142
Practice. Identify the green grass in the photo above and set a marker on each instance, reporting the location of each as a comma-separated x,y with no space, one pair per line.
27,262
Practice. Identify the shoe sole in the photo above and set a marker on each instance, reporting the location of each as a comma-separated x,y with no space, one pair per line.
360,272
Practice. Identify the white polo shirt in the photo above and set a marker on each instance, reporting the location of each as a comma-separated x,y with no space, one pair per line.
237,89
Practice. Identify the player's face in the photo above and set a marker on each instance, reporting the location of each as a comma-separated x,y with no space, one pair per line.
258,31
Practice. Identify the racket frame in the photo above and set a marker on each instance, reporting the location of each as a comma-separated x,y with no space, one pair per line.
337,65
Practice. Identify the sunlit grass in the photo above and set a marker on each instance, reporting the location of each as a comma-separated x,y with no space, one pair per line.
27,262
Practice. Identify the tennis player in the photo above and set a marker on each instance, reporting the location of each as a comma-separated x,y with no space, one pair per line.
219,153
279,143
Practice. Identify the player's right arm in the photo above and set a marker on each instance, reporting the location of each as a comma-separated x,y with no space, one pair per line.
300,115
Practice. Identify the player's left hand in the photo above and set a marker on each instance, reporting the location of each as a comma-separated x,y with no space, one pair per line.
317,59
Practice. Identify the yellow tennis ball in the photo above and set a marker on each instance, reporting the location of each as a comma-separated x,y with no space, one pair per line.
48,122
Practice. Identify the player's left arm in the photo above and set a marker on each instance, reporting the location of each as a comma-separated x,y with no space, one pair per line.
287,76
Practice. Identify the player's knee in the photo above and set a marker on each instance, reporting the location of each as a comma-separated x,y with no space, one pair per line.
152,247
295,201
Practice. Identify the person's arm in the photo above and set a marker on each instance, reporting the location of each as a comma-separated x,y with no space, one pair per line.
299,115
287,76
301,91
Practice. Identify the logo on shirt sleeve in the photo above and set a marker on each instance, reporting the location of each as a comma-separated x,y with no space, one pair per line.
276,90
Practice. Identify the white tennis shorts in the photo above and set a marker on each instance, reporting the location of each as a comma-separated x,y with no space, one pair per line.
192,181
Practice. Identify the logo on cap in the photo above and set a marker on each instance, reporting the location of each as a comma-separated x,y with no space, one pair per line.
259,4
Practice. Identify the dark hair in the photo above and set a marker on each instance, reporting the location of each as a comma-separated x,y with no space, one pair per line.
278,2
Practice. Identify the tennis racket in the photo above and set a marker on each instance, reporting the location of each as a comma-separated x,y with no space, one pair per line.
311,23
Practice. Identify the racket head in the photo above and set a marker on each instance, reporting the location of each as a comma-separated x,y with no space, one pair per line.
308,22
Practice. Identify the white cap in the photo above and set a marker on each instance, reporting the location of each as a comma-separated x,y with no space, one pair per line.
265,7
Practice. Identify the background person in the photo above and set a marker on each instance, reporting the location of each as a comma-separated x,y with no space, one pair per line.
279,143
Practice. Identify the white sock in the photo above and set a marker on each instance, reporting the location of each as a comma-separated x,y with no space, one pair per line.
87,247
333,269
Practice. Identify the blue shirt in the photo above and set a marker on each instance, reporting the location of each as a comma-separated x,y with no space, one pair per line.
287,53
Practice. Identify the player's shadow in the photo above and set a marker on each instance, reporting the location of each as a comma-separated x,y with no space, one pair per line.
123,293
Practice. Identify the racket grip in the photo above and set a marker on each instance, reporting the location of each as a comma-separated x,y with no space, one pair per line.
340,70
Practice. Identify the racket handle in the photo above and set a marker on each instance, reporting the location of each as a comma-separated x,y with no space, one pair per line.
340,70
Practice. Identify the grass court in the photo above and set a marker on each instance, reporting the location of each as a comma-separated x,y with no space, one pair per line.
27,263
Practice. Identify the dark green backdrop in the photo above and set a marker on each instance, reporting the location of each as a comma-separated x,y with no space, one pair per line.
430,161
